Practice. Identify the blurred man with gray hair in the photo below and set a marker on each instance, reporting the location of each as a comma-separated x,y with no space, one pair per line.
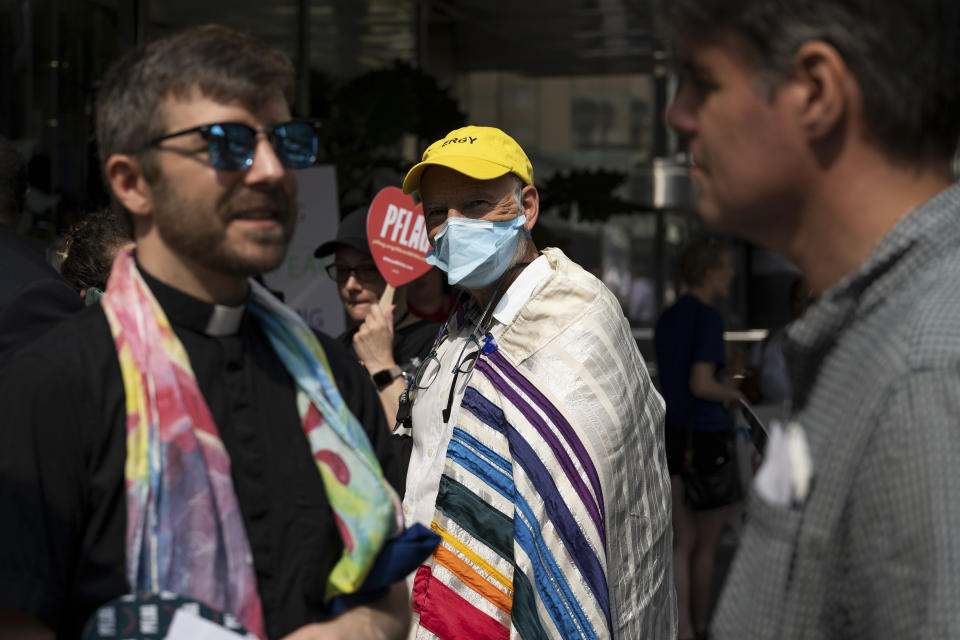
824,131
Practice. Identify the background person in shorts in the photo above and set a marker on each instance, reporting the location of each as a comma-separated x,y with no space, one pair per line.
699,428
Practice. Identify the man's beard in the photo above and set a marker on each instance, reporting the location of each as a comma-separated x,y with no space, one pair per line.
201,236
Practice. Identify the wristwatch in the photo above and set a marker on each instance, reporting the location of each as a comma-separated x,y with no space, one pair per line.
383,378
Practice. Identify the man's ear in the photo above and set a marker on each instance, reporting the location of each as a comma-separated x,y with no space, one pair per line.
823,90
530,203
125,175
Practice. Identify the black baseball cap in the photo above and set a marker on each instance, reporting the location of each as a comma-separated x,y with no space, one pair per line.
352,232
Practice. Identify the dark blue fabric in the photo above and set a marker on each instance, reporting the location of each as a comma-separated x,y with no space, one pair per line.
33,296
688,332
398,558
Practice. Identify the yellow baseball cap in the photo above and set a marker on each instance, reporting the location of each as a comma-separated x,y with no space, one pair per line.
483,153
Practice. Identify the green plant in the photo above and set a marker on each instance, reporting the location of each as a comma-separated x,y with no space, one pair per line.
369,119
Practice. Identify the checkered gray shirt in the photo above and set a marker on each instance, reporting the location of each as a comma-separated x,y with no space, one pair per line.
874,551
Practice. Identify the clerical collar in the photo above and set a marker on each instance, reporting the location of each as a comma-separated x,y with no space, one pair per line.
225,321
191,313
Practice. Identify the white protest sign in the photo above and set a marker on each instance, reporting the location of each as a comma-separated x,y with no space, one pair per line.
305,286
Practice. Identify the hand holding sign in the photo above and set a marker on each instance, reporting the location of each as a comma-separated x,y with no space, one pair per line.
397,234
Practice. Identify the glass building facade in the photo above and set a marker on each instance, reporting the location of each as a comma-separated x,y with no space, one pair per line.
580,84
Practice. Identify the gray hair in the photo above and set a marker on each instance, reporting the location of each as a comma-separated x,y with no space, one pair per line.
905,56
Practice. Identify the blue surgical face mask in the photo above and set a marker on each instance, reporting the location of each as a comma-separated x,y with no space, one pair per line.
475,253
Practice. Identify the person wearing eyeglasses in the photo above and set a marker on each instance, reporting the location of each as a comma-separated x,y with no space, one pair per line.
701,392
190,436
390,343
537,435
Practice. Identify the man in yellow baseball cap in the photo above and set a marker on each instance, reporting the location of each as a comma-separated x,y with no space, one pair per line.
536,431
481,241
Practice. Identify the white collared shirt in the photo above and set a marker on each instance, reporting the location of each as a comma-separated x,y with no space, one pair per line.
431,435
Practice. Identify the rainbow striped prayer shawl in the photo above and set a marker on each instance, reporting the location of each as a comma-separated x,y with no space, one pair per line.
553,506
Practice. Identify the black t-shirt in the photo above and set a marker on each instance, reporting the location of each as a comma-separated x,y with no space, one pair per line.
33,296
411,343
63,447
689,332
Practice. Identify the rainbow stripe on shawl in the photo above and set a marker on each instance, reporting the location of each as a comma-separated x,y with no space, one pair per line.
521,516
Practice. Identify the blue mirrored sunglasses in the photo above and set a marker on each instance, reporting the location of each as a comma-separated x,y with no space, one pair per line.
231,145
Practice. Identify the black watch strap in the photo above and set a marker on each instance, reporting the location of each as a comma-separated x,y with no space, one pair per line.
384,377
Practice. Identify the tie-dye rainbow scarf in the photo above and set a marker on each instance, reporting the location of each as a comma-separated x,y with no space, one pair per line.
185,532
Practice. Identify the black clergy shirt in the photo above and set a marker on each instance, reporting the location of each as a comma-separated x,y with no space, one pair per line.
411,343
63,446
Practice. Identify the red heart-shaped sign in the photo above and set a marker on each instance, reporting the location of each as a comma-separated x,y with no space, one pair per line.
397,236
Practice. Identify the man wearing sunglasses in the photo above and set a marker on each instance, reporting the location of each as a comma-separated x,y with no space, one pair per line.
189,433
537,435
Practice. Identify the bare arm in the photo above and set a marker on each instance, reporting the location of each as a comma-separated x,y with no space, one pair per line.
705,386
373,343
386,619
